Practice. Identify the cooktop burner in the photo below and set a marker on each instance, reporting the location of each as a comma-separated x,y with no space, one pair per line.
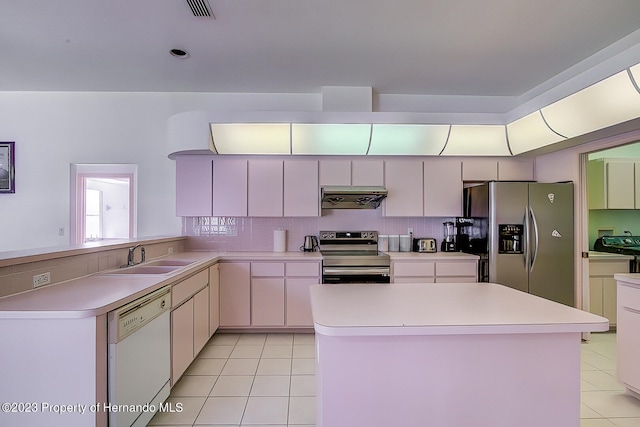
626,245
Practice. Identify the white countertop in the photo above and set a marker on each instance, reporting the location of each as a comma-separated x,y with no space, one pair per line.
441,309
432,256
632,278
606,256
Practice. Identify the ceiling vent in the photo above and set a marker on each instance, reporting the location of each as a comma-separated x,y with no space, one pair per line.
200,8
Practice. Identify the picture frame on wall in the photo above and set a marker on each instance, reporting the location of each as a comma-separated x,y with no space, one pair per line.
7,167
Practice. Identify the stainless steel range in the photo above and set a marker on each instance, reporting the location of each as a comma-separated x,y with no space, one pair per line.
353,257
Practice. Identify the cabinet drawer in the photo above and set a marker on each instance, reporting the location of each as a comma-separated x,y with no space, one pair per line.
303,269
188,287
608,268
413,269
267,269
456,269
413,279
628,296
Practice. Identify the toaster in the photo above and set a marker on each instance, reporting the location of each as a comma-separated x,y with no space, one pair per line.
424,245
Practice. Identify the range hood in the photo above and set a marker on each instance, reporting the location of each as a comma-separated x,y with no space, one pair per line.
352,197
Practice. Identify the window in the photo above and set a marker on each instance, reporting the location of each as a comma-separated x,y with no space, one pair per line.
103,204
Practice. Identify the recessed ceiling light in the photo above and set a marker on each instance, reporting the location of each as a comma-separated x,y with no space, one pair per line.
179,53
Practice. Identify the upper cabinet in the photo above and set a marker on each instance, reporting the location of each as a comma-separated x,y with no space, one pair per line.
301,194
612,183
490,169
265,188
335,172
351,172
229,187
442,187
403,180
193,185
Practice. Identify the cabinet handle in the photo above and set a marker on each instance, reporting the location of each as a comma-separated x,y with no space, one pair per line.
632,310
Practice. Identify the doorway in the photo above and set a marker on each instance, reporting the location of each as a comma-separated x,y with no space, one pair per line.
103,202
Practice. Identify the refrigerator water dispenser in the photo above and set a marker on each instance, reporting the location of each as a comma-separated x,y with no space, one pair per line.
510,238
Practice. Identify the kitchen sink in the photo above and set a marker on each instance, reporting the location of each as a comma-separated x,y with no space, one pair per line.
145,269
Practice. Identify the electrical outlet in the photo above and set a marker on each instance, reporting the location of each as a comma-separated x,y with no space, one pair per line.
170,250
410,230
61,231
41,279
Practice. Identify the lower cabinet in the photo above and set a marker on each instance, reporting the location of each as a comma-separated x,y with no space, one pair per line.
422,271
235,294
189,321
627,340
602,287
267,294
214,298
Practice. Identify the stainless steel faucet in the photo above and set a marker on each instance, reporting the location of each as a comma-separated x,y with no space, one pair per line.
132,250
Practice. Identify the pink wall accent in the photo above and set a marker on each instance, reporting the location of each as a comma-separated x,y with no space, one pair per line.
256,234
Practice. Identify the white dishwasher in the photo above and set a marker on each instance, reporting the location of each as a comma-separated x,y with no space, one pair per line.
139,366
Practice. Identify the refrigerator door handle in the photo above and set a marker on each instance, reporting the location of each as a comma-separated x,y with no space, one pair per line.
525,238
534,226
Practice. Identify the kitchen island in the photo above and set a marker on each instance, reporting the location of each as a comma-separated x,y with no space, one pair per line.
446,355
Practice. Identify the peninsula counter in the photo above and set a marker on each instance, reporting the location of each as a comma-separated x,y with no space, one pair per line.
446,355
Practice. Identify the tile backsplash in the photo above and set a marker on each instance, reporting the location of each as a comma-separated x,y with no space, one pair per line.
256,234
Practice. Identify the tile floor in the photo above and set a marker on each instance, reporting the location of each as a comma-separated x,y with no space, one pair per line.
603,401
248,379
268,380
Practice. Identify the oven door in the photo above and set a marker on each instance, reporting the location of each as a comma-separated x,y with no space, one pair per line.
356,275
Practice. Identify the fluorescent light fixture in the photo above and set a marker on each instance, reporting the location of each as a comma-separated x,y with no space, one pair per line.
606,103
530,132
408,140
635,71
477,140
330,139
251,138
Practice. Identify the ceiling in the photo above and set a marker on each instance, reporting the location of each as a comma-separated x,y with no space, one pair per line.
423,47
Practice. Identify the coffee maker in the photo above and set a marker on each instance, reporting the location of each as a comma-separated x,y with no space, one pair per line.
449,240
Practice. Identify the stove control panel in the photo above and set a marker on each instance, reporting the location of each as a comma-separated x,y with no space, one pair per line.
352,236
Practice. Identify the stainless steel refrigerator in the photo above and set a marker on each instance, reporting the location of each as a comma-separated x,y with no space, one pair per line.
523,232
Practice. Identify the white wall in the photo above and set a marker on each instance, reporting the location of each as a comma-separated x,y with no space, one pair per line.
54,129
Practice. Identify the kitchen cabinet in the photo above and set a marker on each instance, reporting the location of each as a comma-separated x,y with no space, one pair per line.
200,320
627,340
456,272
612,184
301,191
413,271
265,188
335,172
299,277
229,187
189,321
351,172
442,187
602,286
181,339
235,294
267,294
367,172
479,169
214,298
403,179
193,185
515,170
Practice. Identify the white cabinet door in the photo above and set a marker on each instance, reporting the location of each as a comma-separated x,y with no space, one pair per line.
200,320
193,185
265,188
298,301
229,187
620,185
403,179
181,339
301,192
479,170
515,170
335,172
267,301
442,187
235,294
367,172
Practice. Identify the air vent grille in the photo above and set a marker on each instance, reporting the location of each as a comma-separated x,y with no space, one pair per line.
200,8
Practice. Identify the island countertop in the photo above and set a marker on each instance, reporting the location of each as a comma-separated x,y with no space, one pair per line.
441,309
